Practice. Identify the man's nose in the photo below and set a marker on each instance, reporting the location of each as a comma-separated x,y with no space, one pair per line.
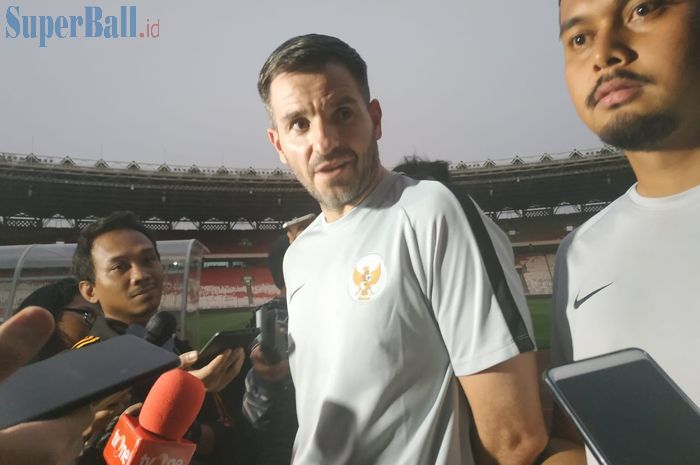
611,49
139,272
325,137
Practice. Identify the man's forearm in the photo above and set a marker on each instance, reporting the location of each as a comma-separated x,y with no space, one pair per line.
508,424
522,450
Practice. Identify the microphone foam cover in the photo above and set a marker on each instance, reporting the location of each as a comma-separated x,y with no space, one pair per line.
172,404
160,328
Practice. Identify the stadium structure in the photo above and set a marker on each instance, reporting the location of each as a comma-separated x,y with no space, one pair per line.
237,213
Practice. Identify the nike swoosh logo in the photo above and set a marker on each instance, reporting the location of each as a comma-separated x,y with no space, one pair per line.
578,303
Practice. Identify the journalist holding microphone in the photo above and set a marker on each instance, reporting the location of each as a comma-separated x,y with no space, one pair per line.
117,265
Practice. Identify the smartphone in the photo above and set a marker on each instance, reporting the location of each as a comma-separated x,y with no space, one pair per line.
628,410
52,387
225,340
309,217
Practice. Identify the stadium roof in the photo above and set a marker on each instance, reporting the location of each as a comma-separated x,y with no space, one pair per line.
34,189
585,180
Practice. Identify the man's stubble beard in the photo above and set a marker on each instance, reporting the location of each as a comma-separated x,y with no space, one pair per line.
345,193
639,132
142,317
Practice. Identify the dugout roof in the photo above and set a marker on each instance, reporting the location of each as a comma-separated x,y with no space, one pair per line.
25,268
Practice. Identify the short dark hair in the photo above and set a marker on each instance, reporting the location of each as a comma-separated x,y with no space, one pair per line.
83,268
417,168
309,53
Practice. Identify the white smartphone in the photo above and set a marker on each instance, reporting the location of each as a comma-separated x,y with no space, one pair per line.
310,217
628,410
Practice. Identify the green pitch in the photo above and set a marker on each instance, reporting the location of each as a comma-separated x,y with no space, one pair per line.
541,311
202,325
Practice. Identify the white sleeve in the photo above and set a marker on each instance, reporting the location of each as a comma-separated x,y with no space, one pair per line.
562,351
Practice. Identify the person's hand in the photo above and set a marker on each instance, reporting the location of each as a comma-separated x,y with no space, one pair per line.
134,409
219,372
106,409
51,442
46,442
271,373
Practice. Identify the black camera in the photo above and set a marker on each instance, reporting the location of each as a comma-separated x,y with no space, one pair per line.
273,330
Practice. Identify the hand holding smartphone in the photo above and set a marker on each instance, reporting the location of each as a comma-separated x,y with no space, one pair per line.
78,377
628,410
223,340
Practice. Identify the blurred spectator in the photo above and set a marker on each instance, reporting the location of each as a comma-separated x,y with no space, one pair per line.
420,169
46,442
269,403
73,315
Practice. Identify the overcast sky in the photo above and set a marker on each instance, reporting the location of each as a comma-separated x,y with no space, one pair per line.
458,79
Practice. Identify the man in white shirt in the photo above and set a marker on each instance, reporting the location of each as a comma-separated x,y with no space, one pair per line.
628,276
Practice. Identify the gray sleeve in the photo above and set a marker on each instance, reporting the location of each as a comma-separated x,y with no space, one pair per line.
562,351
474,289
504,251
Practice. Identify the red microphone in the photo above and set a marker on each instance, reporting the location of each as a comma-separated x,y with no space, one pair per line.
155,438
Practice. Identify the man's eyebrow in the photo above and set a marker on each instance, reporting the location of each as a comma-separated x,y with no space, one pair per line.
568,24
348,99
291,116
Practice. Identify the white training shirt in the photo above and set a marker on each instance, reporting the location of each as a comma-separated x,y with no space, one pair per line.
386,305
628,277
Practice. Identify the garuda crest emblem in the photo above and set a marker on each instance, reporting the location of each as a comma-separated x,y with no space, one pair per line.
367,278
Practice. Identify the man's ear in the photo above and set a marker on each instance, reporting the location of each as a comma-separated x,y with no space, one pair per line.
274,137
375,112
87,290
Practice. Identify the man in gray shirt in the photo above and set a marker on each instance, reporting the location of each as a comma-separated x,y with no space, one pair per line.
399,304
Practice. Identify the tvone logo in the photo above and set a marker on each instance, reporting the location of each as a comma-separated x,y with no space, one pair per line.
121,451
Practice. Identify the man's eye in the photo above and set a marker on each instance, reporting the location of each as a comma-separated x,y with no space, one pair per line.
643,9
300,125
577,41
120,266
344,113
